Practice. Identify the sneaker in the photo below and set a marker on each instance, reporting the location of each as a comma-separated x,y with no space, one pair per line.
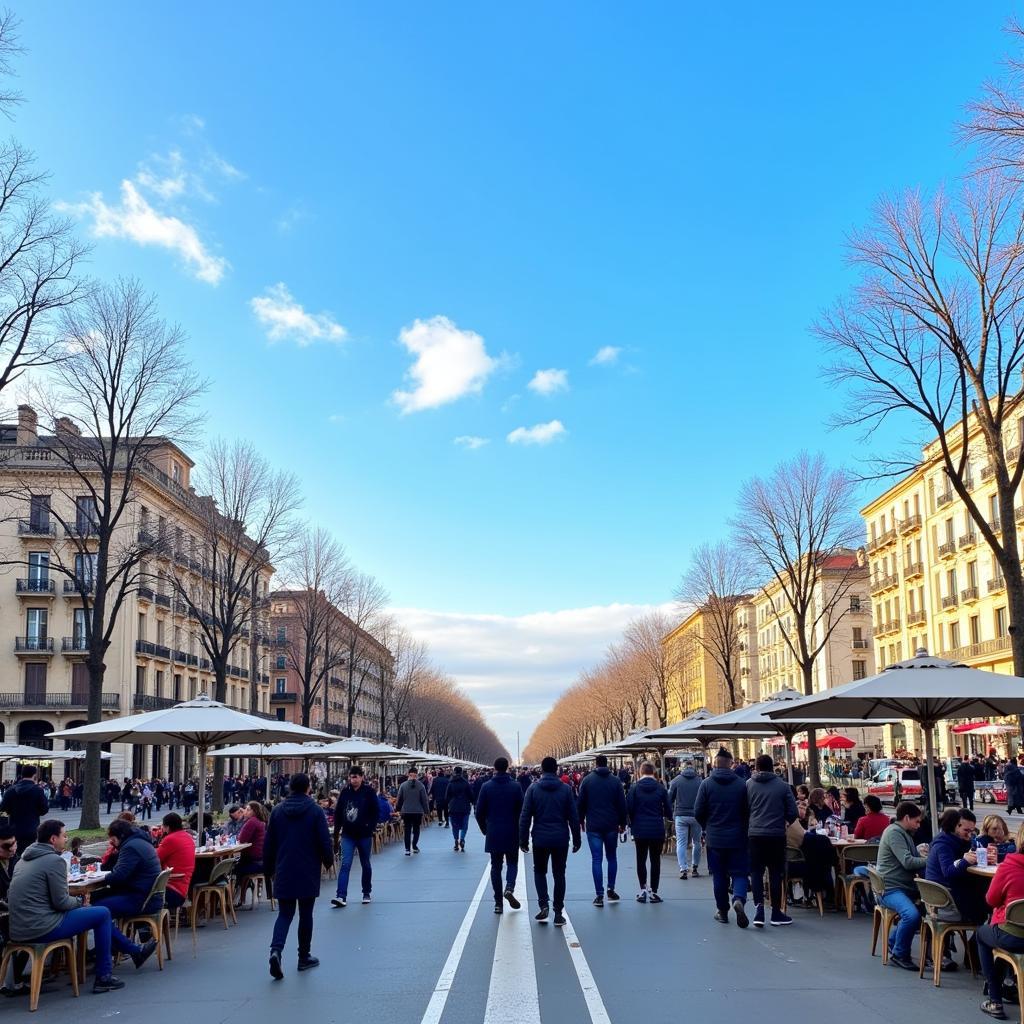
993,1009
462,845
456,847
903,961
107,984
366,897
741,913
778,919
307,963
683,873
598,900
408,853
275,965
655,898
722,916
499,907
559,919
612,896
694,872
759,916
510,897
147,950
415,849
542,914
339,901
641,896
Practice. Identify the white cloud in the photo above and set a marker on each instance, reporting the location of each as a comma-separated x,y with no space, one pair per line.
547,382
471,442
450,363
607,355
515,667
285,318
542,433
135,219
167,179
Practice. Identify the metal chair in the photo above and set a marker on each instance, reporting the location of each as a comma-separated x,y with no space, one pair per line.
1014,918
259,884
217,887
158,922
37,953
883,918
796,857
936,897
847,883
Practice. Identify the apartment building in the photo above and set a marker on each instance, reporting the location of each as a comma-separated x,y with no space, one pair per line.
287,639
155,658
934,582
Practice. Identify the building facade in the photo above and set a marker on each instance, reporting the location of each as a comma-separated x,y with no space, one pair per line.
155,658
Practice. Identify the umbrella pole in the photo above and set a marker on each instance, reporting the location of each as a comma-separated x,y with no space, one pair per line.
202,796
929,756
789,757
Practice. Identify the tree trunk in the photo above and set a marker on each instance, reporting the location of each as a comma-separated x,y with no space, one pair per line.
91,776
217,794
813,769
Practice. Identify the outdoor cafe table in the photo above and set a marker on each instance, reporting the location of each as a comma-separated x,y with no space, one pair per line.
985,872
219,852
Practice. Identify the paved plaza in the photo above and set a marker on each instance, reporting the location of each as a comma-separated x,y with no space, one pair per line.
429,949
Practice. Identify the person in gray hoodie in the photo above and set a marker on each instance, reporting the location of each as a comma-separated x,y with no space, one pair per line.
772,808
42,909
413,803
682,794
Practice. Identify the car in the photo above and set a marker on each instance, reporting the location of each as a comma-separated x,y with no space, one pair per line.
893,784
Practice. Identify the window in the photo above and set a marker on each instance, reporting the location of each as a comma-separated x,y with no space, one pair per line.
86,517
975,629
972,574
39,512
35,627
855,603
140,679
1001,622
859,669
38,570
281,663
85,570
78,629
279,685
159,682
35,683
177,686
176,472
282,632
79,684
280,714
954,635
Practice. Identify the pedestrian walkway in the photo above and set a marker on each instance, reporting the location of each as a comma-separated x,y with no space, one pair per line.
430,950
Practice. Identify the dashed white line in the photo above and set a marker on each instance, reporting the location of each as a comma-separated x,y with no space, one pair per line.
591,993
512,997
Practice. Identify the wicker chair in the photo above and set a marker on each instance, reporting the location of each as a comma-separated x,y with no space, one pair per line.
37,953
936,897
883,918
847,883
158,922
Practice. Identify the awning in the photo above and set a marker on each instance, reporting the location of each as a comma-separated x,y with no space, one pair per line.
968,726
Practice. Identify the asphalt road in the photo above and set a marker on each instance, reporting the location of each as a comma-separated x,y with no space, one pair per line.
429,950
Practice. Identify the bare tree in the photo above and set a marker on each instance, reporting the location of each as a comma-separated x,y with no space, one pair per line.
245,520
364,600
653,659
318,572
123,391
935,332
717,582
996,118
798,526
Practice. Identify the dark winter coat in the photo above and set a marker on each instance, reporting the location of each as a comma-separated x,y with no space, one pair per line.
602,802
497,813
356,813
647,806
439,789
965,777
550,808
1014,779
136,869
722,809
25,803
298,845
771,804
525,781
460,796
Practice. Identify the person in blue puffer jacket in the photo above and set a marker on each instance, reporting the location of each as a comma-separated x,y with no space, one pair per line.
949,856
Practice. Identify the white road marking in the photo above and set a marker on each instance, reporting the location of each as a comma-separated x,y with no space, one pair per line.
439,997
512,997
591,994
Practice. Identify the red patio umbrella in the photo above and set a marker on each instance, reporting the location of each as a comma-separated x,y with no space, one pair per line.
836,741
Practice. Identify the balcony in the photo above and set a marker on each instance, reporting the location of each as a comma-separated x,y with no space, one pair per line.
74,645
1018,514
163,600
984,648
950,601
74,588
860,645
33,645
284,698
147,702
886,538
997,584
28,529
145,594
947,550
910,525
914,570
969,595
916,619
995,526
144,647
34,588
884,583
58,701
988,471
1010,457
945,498
968,540
83,529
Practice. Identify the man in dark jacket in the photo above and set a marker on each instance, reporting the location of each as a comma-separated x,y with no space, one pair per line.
525,780
25,803
355,818
682,795
297,845
965,784
550,808
131,881
602,813
721,809
772,807
439,794
497,813
460,805
1014,779
647,806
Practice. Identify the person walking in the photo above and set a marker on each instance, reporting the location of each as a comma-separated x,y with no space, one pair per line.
647,807
602,812
721,808
439,794
296,846
413,803
772,808
497,813
965,784
682,795
25,804
460,804
355,819
551,810
1012,776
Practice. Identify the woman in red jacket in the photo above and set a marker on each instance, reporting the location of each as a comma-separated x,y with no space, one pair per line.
1006,887
177,851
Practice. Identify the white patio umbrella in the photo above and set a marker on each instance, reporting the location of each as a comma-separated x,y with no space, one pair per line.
925,689
21,752
199,723
355,747
270,751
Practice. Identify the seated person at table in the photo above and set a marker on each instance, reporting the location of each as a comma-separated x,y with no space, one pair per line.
193,822
254,830
177,851
1006,887
386,810
995,832
853,809
819,860
236,819
42,909
833,801
818,808
874,822
899,862
949,857
133,876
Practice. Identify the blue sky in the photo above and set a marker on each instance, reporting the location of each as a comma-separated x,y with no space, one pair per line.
533,183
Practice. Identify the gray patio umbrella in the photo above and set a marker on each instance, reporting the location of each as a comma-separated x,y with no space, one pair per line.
925,689
200,723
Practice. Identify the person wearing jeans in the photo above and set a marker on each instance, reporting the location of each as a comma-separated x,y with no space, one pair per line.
460,803
413,803
602,813
682,795
772,808
647,807
350,846
497,813
899,863
1006,888
355,819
